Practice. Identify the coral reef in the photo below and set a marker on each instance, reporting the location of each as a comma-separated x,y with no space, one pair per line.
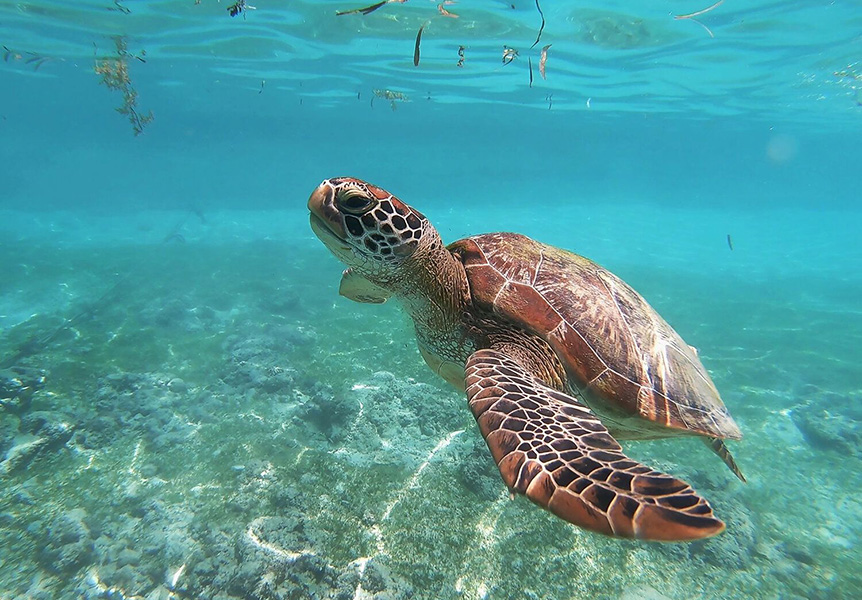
225,442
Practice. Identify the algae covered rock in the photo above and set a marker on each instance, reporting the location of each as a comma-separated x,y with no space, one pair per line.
68,544
836,429
41,434
17,386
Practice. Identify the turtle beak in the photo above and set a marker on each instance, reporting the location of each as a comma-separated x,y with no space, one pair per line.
325,217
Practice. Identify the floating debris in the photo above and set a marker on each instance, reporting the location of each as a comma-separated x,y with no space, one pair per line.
120,8
445,12
34,59
368,9
729,242
542,27
391,96
690,16
461,56
543,61
509,54
416,47
849,72
239,7
115,76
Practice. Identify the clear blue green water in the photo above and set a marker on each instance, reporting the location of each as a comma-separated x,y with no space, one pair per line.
189,409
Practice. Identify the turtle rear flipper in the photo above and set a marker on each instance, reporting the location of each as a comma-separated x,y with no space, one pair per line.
552,448
718,446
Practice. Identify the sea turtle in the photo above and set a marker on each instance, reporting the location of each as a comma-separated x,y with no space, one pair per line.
556,356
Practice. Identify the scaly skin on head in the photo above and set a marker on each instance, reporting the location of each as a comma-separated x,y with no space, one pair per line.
396,248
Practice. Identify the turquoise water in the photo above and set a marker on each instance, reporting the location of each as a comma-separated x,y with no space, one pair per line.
189,409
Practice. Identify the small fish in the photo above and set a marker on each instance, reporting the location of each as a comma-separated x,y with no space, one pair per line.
543,61
461,56
262,84
550,99
238,7
416,48
509,54
120,8
530,62
729,242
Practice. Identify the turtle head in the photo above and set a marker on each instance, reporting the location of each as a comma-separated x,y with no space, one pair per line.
365,227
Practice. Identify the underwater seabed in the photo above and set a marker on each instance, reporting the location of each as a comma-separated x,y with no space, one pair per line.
215,422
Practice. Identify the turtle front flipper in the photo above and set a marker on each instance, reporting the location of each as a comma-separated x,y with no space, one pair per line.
552,448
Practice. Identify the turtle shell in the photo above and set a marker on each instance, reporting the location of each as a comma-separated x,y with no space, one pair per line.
620,356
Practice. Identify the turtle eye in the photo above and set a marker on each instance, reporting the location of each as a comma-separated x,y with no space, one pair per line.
354,202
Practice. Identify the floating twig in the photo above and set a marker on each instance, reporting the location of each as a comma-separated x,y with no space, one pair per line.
700,12
367,9
416,47
691,16
543,61
541,14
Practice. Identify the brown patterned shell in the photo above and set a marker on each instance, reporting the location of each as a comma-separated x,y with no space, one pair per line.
621,357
